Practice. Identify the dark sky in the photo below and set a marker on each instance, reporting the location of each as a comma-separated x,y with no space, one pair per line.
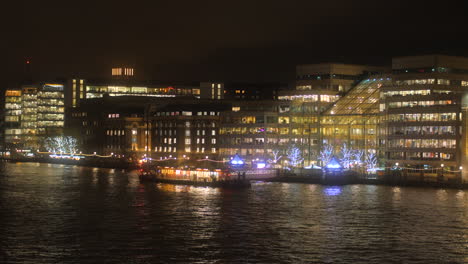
255,40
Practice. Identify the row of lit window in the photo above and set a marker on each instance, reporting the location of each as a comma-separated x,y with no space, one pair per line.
267,130
12,112
113,115
332,131
188,141
187,124
431,81
122,71
187,149
51,102
13,100
423,117
115,132
423,143
270,120
420,103
50,123
29,104
187,113
48,95
50,109
422,155
276,141
81,81
79,114
50,116
423,130
29,97
12,106
10,93
165,132
199,150
407,92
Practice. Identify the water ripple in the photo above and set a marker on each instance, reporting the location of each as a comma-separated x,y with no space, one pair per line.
68,214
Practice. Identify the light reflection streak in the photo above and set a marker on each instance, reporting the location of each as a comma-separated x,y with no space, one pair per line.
332,191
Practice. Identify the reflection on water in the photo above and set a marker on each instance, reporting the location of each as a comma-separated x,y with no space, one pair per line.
332,191
69,214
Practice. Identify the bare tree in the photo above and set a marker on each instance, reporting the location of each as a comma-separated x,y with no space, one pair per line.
358,155
347,154
294,156
326,153
371,161
61,144
276,156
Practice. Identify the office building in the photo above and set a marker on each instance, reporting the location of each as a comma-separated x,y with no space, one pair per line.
424,113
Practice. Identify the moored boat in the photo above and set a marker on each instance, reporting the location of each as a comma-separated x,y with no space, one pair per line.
195,177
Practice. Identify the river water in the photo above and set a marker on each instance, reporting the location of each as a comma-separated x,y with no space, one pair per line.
70,214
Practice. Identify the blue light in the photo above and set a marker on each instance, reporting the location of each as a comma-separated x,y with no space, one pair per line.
261,165
332,191
237,160
333,164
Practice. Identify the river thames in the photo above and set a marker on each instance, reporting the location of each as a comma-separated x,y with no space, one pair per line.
70,214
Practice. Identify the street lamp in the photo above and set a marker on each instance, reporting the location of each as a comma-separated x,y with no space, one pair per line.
442,173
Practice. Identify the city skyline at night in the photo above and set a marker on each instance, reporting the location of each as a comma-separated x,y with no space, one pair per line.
261,41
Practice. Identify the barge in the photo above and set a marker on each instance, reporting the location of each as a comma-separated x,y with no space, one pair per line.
196,177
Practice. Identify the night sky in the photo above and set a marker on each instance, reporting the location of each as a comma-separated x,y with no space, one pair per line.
221,40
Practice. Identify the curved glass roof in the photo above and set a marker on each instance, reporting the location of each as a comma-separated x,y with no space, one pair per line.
362,99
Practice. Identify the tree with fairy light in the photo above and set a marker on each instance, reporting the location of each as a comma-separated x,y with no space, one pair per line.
326,153
358,155
347,156
371,161
294,156
276,156
61,144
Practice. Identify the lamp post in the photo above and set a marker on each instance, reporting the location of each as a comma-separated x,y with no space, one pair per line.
442,172
461,174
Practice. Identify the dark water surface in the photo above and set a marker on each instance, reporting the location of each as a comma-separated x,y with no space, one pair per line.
69,214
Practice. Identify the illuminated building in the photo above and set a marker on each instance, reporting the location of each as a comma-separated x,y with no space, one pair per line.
355,118
33,113
210,90
123,71
98,90
110,125
424,114
12,125
77,92
50,109
257,129
186,129
29,117
251,91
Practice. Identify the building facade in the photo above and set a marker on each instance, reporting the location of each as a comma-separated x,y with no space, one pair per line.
424,113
